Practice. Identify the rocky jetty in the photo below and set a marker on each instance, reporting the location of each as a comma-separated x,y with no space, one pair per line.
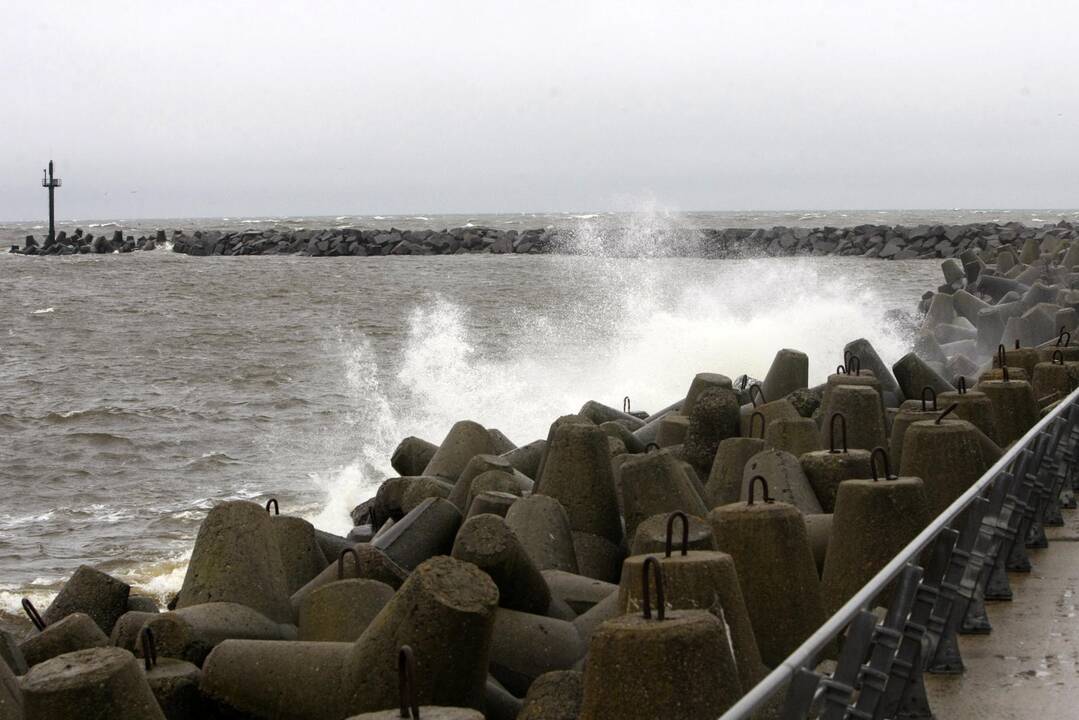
627,565
886,242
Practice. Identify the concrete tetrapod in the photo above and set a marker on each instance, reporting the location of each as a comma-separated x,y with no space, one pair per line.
174,683
236,559
525,646
947,455
651,536
597,557
861,406
526,459
912,411
797,436
412,455
826,469
1015,409
424,487
580,593
76,631
874,519
659,665
554,696
912,373
599,413
1051,378
487,542
869,359
542,527
477,466
701,382
497,481
356,561
444,611
973,406
788,372
409,706
10,694
577,472
699,580
192,632
128,629
90,591
771,411
725,479
95,684
426,531
465,440
672,430
844,377
819,532
714,417
788,480
653,484
342,610
776,571
491,502
301,556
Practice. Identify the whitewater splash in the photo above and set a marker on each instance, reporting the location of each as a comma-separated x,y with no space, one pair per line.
643,330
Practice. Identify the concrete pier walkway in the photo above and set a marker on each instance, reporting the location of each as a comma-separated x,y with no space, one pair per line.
1029,666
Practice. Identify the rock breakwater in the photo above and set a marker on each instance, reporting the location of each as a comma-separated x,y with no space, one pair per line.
887,242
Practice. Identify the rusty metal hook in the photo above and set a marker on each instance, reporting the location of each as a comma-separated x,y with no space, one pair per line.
651,447
276,507
406,683
831,432
1002,358
341,561
841,369
652,563
625,405
766,498
677,515
933,393
1065,337
754,416
745,381
883,455
760,394
944,414
33,614
855,364
1057,354
149,650
961,385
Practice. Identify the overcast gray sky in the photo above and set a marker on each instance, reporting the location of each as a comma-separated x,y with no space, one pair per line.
155,109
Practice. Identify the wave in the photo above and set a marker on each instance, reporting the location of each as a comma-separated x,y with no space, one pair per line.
44,311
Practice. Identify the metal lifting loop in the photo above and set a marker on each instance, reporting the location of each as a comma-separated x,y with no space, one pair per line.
760,394
1002,358
625,405
961,385
149,650
1065,337
883,455
933,394
341,561
677,515
1057,354
944,414
651,447
745,381
754,416
766,498
652,563
406,683
276,507
33,614
841,370
831,432
854,364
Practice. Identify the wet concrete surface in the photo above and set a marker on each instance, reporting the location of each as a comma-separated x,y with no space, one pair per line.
1028,667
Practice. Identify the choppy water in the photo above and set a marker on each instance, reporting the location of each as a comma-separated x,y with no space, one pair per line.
137,390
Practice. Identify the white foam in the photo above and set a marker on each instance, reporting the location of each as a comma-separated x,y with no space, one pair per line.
645,328
43,311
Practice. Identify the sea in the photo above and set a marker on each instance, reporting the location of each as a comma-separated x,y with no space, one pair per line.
138,390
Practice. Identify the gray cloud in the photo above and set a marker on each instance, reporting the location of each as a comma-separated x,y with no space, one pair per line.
211,108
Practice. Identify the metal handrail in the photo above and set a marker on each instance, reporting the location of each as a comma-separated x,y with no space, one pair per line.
808,651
